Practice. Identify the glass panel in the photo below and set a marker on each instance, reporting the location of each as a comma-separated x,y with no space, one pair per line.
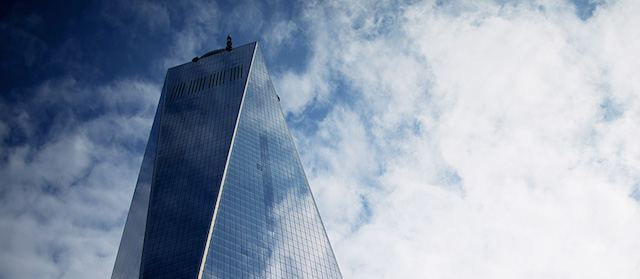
194,139
267,225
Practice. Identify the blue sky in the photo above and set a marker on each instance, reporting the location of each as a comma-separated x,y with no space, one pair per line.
442,139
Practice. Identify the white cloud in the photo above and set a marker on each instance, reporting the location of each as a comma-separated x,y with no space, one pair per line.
462,140
506,101
278,34
63,207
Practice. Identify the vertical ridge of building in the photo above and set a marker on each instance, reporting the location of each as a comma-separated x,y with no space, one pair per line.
215,210
195,138
267,225
129,256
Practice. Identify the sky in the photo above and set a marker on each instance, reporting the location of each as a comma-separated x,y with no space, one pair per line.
441,139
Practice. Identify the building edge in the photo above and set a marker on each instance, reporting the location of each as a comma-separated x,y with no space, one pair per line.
226,167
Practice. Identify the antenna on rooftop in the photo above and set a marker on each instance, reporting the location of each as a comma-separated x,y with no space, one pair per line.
229,47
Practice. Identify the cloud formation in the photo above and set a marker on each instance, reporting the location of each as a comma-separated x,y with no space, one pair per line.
65,187
484,139
487,140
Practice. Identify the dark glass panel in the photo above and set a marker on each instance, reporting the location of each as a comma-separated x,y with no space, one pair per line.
194,139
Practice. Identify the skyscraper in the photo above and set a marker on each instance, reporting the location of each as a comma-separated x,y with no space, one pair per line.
221,191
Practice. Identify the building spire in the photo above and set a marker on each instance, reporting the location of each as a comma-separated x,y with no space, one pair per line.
229,47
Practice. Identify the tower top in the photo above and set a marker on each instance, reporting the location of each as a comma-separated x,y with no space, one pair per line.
229,47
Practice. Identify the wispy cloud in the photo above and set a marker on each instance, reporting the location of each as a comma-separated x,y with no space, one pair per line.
446,139
491,136
64,188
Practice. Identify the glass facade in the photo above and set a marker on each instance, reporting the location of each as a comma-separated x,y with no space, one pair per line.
224,192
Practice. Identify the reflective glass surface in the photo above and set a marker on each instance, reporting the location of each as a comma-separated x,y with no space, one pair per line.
195,134
267,224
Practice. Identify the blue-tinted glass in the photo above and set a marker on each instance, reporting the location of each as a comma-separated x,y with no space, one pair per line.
196,129
267,224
